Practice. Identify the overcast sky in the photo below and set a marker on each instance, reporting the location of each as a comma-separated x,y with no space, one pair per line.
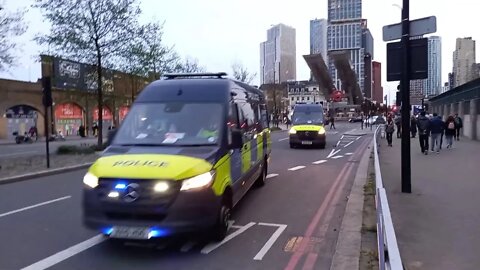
220,32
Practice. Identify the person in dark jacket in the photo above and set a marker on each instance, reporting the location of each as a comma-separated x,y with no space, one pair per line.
389,129
423,125
458,126
450,130
413,126
436,129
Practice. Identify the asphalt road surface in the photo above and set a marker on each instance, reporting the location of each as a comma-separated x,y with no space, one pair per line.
290,223
38,148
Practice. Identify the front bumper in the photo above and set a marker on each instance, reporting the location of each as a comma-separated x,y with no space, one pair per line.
308,138
176,212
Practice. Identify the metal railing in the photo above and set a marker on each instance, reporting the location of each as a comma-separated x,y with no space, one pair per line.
388,252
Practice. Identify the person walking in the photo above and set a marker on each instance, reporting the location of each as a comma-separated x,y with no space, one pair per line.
458,126
389,129
398,123
413,126
450,130
423,124
436,128
332,122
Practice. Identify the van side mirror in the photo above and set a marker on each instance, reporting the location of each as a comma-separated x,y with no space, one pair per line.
111,136
237,139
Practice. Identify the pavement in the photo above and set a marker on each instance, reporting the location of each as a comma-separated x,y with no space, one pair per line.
38,148
437,225
293,222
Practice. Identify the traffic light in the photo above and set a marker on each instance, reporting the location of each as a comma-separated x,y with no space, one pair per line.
47,91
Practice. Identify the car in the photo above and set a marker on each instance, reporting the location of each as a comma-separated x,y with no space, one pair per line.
308,126
187,152
355,119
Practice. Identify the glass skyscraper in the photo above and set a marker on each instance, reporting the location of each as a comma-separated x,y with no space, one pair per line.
345,32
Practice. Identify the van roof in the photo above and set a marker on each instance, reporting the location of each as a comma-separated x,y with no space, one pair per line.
308,108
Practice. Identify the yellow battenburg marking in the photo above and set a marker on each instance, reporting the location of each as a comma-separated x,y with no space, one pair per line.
260,139
308,128
150,166
246,156
222,178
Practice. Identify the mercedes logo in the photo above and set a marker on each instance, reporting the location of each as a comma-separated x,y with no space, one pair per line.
131,193
307,133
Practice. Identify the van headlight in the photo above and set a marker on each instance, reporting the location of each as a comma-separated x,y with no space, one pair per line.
321,131
90,180
292,131
201,181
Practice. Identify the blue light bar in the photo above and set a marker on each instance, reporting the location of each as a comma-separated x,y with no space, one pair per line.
157,233
121,186
107,231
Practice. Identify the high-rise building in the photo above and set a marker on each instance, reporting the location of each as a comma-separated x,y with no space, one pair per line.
377,89
431,86
278,55
463,60
346,32
318,37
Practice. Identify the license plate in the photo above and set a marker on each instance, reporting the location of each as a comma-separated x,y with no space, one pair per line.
130,232
307,142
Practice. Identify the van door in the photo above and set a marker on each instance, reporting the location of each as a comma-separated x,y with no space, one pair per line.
236,160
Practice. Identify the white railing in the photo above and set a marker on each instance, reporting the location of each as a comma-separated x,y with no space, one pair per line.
388,252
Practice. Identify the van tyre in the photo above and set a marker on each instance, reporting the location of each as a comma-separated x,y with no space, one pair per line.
260,182
220,229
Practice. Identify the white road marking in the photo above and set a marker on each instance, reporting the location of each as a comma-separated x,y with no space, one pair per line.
188,246
296,168
319,161
333,153
337,157
211,247
65,254
358,138
236,226
284,139
348,144
33,206
348,154
271,175
271,241
19,153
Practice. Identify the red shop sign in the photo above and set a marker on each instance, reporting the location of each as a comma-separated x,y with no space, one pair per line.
122,112
106,114
68,111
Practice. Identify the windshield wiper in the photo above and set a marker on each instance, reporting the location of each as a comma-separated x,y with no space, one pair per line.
197,144
139,144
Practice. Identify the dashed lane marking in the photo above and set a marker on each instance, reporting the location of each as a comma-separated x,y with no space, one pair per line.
348,154
319,161
337,157
34,206
283,139
272,175
296,168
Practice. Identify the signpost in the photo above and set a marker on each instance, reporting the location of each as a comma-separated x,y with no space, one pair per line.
411,60
47,102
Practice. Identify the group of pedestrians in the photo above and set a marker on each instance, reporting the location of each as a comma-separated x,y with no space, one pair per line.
432,127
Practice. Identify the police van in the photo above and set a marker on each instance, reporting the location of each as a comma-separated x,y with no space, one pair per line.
308,128
190,148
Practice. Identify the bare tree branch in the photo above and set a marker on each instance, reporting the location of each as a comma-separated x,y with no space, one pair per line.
241,73
11,26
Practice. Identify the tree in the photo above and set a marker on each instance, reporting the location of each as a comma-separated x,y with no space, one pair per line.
11,25
242,74
92,31
189,65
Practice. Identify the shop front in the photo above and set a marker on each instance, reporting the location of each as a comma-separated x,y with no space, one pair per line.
20,118
68,118
107,119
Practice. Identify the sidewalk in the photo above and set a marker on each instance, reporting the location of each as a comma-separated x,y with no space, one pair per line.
438,224
42,139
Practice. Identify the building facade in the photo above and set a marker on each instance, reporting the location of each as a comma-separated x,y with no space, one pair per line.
463,60
377,89
318,38
278,55
346,33
304,92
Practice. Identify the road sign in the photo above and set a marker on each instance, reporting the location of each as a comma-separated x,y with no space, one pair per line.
418,27
418,60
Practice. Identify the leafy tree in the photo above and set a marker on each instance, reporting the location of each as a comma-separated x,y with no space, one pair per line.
11,25
242,74
92,31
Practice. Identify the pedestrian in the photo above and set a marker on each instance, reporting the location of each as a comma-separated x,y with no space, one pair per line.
398,123
436,129
423,124
332,122
389,129
361,118
413,126
442,133
458,126
450,130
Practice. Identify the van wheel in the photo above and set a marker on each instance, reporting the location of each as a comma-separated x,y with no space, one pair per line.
260,182
220,230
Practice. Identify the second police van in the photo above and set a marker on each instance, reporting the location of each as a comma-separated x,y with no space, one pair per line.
308,126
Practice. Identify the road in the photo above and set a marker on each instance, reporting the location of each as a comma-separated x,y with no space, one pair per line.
38,148
290,223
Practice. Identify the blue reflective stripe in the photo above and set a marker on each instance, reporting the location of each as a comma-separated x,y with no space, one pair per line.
236,165
253,150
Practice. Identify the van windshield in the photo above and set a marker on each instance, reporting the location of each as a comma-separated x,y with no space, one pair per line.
307,118
171,123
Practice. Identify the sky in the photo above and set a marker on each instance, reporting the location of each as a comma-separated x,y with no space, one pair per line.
221,32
